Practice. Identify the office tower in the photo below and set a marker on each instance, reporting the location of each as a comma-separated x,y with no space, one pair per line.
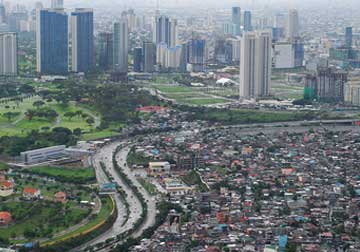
161,54
197,54
57,4
149,56
166,31
236,19
121,38
293,24
184,58
2,13
255,64
299,53
15,19
173,58
82,40
8,54
162,30
105,50
173,33
247,21
131,16
138,58
348,37
280,21
52,42
229,29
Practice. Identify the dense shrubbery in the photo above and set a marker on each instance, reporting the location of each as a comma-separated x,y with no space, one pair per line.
67,175
13,145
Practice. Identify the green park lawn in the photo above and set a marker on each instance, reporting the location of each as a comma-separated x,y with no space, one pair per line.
66,174
39,219
202,101
21,125
174,88
105,212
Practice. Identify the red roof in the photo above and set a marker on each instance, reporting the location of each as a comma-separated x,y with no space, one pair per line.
30,190
151,109
5,217
60,195
7,184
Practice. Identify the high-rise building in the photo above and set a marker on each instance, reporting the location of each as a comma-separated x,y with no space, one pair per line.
247,21
8,54
236,19
330,83
184,58
2,13
197,54
82,40
166,31
57,4
293,24
348,37
138,58
52,42
162,30
255,64
149,56
105,50
121,41
173,33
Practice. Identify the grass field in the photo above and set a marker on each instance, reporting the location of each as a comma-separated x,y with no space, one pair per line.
39,219
77,175
20,125
174,88
106,210
202,101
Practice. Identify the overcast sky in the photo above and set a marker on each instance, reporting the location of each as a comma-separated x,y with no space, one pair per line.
199,3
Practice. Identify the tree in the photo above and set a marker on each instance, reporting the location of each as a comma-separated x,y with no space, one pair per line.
30,114
70,115
90,121
77,132
10,115
38,104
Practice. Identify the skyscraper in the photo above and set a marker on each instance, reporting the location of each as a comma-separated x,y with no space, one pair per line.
138,58
52,42
105,50
236,19
57,4
8,54
162,30
197,54
255,64
149,56
348,37
247,21
173,33
121,41
2,13
82,35
293,24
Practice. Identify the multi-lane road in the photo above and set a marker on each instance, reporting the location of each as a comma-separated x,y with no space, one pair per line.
105,156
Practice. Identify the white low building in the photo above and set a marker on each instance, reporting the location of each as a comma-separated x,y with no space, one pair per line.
159,168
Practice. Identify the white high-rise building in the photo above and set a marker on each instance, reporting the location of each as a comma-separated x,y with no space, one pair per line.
255,65
121,44
57,4
8,54
293,24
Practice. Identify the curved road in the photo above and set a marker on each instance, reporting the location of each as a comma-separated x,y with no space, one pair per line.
105,155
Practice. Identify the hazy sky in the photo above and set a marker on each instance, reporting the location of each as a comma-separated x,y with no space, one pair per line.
200,3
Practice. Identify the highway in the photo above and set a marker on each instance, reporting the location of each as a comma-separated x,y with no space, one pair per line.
104,155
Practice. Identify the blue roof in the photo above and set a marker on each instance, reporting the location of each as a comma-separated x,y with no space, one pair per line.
283,239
